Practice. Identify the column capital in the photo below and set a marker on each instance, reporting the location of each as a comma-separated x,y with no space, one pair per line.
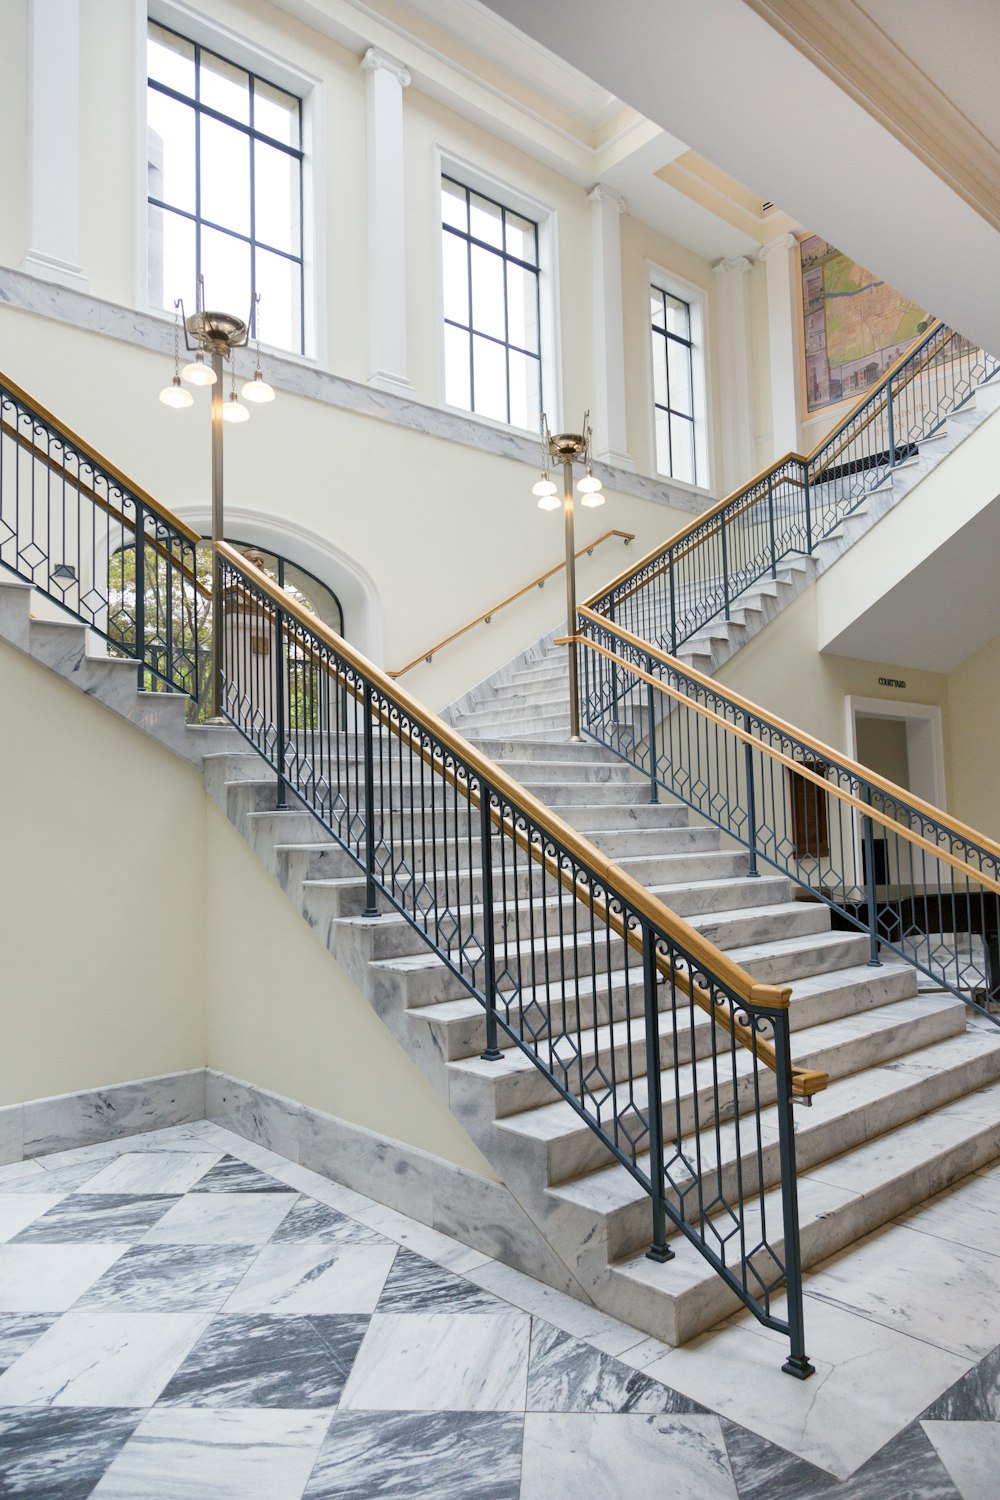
602,193
374,60
732,265
783,242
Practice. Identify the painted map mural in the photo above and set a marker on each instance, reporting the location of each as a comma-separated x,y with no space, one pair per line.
855,325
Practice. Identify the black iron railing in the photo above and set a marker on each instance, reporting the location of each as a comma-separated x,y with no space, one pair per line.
83,535
698,575
915,881
669,1052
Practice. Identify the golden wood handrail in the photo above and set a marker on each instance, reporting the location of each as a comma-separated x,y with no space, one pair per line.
627,536
744,490
704,954
824,751
69,437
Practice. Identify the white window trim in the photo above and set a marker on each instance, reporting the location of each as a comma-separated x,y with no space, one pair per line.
447,164
696,298
307,87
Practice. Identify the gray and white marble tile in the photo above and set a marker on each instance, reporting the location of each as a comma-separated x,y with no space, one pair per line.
49,1278
313,1279
18,1210
101,1359
425,1241
256,1114
71,1120
970,1452
228,1455
11,1133
419,1456
310,1220
47,1453
763,1471
170,1278
233,1176
105,1217
152,1172
58,1181
18,1331
222,1219
17,1171
416,1284
441,1362
973,1398
569,1376
623,1456
292,1362
906,1466
581,1319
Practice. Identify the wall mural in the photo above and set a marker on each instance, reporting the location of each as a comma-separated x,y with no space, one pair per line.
854,325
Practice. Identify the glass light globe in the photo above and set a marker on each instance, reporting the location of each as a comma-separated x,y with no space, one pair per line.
543,487
175,395
198,373
588,485
592,499
258,390
549,502
232,411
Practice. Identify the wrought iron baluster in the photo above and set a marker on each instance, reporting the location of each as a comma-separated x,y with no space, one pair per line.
659,1249
140,591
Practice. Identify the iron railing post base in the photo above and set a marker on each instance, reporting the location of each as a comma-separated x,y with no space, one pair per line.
660,1253
492,1054
799,1366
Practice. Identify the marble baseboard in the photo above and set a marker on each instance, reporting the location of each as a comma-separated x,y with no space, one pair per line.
66,1121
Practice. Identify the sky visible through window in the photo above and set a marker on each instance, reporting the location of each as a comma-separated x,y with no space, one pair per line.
224,184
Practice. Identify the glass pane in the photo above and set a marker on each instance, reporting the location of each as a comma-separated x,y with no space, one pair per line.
170,60
456,277
485,220
225,264
656,307
457,388
225,175
487,292
522,308
276,198
678,316
276,113
521,238
279,282
679,358
525,393
662,442
682,439
170,151
454,209
489,365
225,88
659,370
171,265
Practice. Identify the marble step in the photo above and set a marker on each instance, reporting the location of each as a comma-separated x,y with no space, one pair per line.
705,897
614,817
526,725
562,1146
15,610
789,960
597,772
838,1203
541,750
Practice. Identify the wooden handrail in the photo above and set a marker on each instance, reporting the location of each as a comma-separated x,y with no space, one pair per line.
824,751
704,954
769,473
68,436
484,619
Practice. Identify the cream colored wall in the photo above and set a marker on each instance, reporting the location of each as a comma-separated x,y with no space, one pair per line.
14,114
282,1014
102,895
973,728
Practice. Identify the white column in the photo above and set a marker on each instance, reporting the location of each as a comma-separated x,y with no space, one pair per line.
54,142
780,256
386,80
733,344
611,438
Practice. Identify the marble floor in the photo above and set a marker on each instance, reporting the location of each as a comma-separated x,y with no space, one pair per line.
184,1315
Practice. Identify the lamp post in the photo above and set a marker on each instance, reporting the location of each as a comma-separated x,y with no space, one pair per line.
568,448
216,334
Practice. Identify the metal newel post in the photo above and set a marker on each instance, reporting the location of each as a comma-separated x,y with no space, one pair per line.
673,602
797,1363
492,1052
371,905
217,534
574,685
654,791
809,524
725,565
874,962
892,426
751,802
770,522
659,1250
140,592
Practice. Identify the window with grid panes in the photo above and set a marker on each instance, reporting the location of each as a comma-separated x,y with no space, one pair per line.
224,186
492,358
673,385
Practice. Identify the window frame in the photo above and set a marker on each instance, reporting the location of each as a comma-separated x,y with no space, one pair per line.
270,69
447,165
695,299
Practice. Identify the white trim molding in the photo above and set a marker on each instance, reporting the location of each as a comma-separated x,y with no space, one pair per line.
385,80
607,207
696,298
781,258
735,369
54,143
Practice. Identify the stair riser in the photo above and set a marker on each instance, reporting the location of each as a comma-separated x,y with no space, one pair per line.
785,968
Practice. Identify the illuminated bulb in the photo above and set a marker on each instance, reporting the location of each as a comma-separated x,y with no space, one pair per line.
543,487
175,395
588,485
232,411
198,373
548,502
592,499
258,390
